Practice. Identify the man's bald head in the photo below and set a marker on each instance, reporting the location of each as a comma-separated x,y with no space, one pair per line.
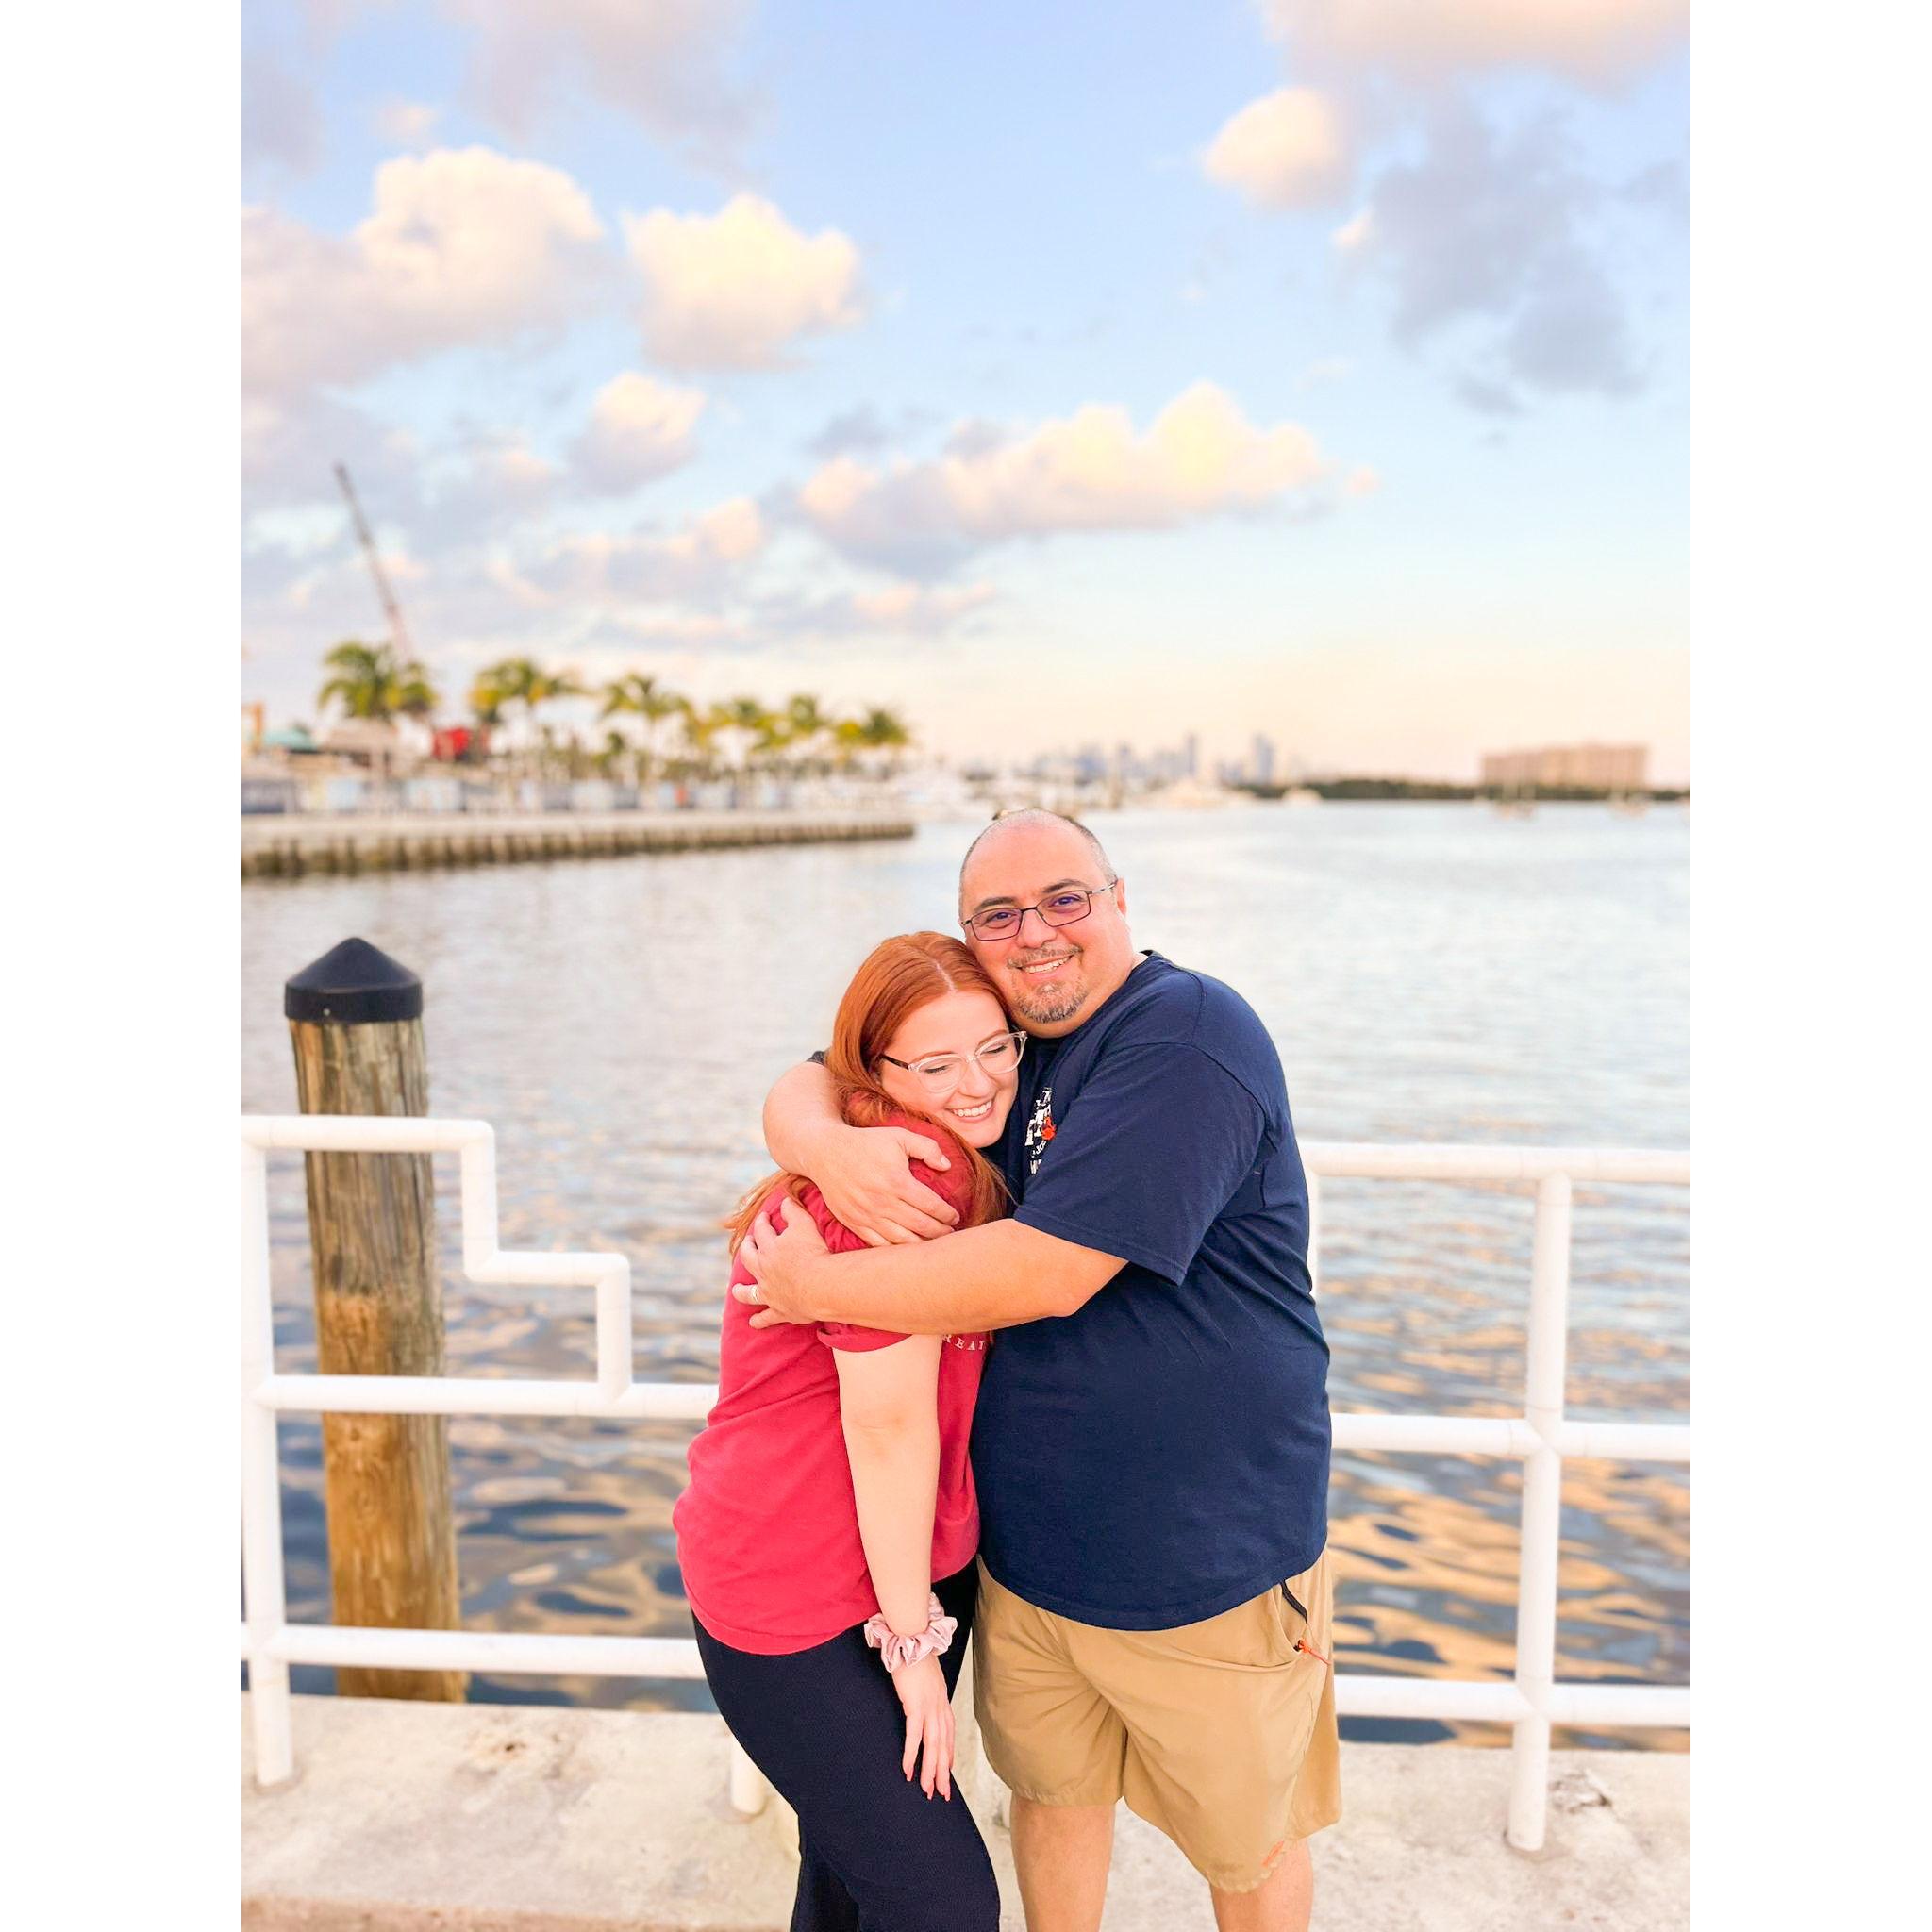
1032,815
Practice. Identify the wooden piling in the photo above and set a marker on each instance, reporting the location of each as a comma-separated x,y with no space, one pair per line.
355,1024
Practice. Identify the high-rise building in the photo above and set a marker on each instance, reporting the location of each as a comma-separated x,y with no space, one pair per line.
1570,767
1190,757
1261,760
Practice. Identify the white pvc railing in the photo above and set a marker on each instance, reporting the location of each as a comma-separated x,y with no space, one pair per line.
1542,1437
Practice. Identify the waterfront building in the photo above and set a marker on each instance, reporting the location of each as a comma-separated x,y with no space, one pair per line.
1570,767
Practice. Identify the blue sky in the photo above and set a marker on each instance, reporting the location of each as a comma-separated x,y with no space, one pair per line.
1310,366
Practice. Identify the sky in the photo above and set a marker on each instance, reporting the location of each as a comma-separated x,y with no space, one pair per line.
1055,376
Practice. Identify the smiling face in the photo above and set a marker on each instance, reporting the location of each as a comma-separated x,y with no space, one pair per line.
1053,976
975,1104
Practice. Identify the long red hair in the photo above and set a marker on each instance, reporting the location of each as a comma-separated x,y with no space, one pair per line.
898,977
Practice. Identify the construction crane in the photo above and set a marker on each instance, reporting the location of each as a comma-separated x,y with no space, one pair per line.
398,637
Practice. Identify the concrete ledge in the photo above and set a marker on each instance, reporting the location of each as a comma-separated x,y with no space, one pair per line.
490,1818
277,847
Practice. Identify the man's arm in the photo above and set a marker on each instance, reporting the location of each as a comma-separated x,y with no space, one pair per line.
862,1172
994,1276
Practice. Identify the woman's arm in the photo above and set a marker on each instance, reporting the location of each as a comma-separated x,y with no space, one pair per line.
888,1404
889,1407
860,1171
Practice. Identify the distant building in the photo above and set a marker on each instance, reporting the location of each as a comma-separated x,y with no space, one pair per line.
1190,757
1261,760
1570,767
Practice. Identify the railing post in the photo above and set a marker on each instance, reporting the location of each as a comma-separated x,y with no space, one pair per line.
1543,1512
749,1788
266,1601
355,1022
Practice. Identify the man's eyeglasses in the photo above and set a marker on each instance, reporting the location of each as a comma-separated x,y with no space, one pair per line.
944,1071
1062,909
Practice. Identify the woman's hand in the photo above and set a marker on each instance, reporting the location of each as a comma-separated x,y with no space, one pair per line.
863,1174
922,1689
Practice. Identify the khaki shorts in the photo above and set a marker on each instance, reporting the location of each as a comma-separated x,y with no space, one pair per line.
1220,1734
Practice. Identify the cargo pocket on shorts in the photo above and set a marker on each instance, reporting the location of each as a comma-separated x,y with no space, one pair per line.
1293,1617
1250,1636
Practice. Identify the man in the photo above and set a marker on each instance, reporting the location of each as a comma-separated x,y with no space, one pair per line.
1151,1448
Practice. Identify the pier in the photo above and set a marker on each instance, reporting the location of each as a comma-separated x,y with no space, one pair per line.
521,1818
389,1814
291,846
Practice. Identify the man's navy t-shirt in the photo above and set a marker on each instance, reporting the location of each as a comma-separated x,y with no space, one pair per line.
1162,1455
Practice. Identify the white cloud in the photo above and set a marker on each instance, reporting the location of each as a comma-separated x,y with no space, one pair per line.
730,290
1092,471
901,610
490,485
638,429
732,531
1289,149
701,558
281,120
1593,40
1355,233
660,62
1492,241
919,608
407,124
462,246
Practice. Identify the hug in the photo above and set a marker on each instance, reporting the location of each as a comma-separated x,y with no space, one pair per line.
1021,1348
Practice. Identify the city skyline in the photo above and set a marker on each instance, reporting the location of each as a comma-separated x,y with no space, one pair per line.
1014,376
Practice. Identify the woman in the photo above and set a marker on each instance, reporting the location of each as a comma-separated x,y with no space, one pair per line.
830,1525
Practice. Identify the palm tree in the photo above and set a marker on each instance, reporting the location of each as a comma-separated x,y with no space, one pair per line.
806,724
701,729
757,734
487,700
522,681
848,740
372,682
885,731
639,696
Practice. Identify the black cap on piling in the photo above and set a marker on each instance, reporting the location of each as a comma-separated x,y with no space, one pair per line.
351,985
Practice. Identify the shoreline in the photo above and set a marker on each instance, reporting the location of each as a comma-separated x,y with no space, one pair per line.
286,845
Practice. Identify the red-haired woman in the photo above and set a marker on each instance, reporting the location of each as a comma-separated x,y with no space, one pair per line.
830,1523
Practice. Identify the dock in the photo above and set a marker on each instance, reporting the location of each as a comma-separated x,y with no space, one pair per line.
515,1818
287,845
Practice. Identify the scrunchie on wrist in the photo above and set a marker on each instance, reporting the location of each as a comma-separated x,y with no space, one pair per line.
894,1650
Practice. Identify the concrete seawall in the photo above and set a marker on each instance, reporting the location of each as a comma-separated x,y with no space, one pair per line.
278,847
405,1817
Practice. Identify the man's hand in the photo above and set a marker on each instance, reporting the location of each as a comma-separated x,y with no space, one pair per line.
864,1174
779,1258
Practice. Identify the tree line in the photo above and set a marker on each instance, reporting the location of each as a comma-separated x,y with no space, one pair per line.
664,733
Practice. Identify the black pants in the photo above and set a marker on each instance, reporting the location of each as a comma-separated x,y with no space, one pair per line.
876,1854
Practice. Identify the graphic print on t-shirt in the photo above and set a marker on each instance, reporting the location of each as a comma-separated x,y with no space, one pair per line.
1039,1129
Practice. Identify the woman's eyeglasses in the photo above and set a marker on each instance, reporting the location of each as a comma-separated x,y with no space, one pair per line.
944,1071
1063,909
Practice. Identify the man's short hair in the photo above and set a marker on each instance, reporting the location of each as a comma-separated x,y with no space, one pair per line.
1033,815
